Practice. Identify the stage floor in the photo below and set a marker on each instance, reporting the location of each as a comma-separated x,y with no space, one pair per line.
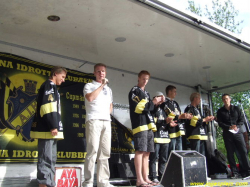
26,182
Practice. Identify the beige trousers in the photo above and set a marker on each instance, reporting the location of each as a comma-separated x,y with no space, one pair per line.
98,139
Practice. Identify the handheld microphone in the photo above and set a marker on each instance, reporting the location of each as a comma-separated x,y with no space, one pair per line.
106,81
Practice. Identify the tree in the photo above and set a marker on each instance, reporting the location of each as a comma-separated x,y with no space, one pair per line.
192,7
223,15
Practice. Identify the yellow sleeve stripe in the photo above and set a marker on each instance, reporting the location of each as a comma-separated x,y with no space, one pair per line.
145,127
155,120
45,135
194,121
162,140
48,108
198,137
176,134
140,106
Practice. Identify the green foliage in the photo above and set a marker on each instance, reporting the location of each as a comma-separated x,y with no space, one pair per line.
220,14
192,7
243,96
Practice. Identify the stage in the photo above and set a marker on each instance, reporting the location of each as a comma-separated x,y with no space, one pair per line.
27,182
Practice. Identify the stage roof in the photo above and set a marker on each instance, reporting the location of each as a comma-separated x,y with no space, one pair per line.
130,35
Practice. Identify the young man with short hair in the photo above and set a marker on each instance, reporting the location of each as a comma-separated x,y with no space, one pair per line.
230,118
48,126
196,133
175,118
161,143
140,106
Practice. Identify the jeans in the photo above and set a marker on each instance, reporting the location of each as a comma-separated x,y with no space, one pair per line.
160,154
198,145
47,155
175,144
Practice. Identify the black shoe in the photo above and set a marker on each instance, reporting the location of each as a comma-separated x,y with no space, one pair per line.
244,175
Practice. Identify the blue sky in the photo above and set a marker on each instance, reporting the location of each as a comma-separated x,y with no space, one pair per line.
243,6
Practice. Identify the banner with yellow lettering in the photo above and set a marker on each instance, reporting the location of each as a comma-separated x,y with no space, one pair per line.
20,79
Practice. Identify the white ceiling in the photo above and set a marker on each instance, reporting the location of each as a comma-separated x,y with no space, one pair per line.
87,30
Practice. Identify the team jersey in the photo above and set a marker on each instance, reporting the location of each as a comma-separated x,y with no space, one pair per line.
161,135
195,127
48,115
173,110
140,106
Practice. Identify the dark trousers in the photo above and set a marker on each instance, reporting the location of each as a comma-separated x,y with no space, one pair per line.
160,154
47,155
198,145
236,140
175,144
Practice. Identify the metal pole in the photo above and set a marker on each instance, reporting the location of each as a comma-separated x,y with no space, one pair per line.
244,117
212,122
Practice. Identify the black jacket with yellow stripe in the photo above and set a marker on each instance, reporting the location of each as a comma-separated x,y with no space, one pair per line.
171,107
48,115
161,135
195,127
140,106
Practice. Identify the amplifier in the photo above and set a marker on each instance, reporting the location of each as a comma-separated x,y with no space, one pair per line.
185,168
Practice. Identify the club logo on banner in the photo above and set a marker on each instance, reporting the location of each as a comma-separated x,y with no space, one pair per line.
17,107
20,79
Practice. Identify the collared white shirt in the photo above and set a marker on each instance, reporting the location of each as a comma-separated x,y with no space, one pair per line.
99,108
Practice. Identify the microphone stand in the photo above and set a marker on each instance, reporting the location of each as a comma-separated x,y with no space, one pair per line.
247,129
244,117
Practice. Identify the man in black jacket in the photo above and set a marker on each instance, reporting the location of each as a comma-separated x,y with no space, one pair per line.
230,118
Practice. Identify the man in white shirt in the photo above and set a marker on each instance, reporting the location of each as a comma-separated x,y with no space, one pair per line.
98,103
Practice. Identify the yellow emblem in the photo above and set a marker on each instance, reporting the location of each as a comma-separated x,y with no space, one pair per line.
50,98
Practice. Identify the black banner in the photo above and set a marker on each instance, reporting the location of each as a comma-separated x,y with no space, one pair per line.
20,79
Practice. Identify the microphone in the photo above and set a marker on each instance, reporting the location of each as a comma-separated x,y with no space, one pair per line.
106,81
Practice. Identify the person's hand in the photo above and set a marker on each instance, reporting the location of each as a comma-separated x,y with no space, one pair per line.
209,118
163,99
234,127
173,124
168,120
105,81
157,100
185,116
54,132
188,115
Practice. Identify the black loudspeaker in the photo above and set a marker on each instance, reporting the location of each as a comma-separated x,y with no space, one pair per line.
185,168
